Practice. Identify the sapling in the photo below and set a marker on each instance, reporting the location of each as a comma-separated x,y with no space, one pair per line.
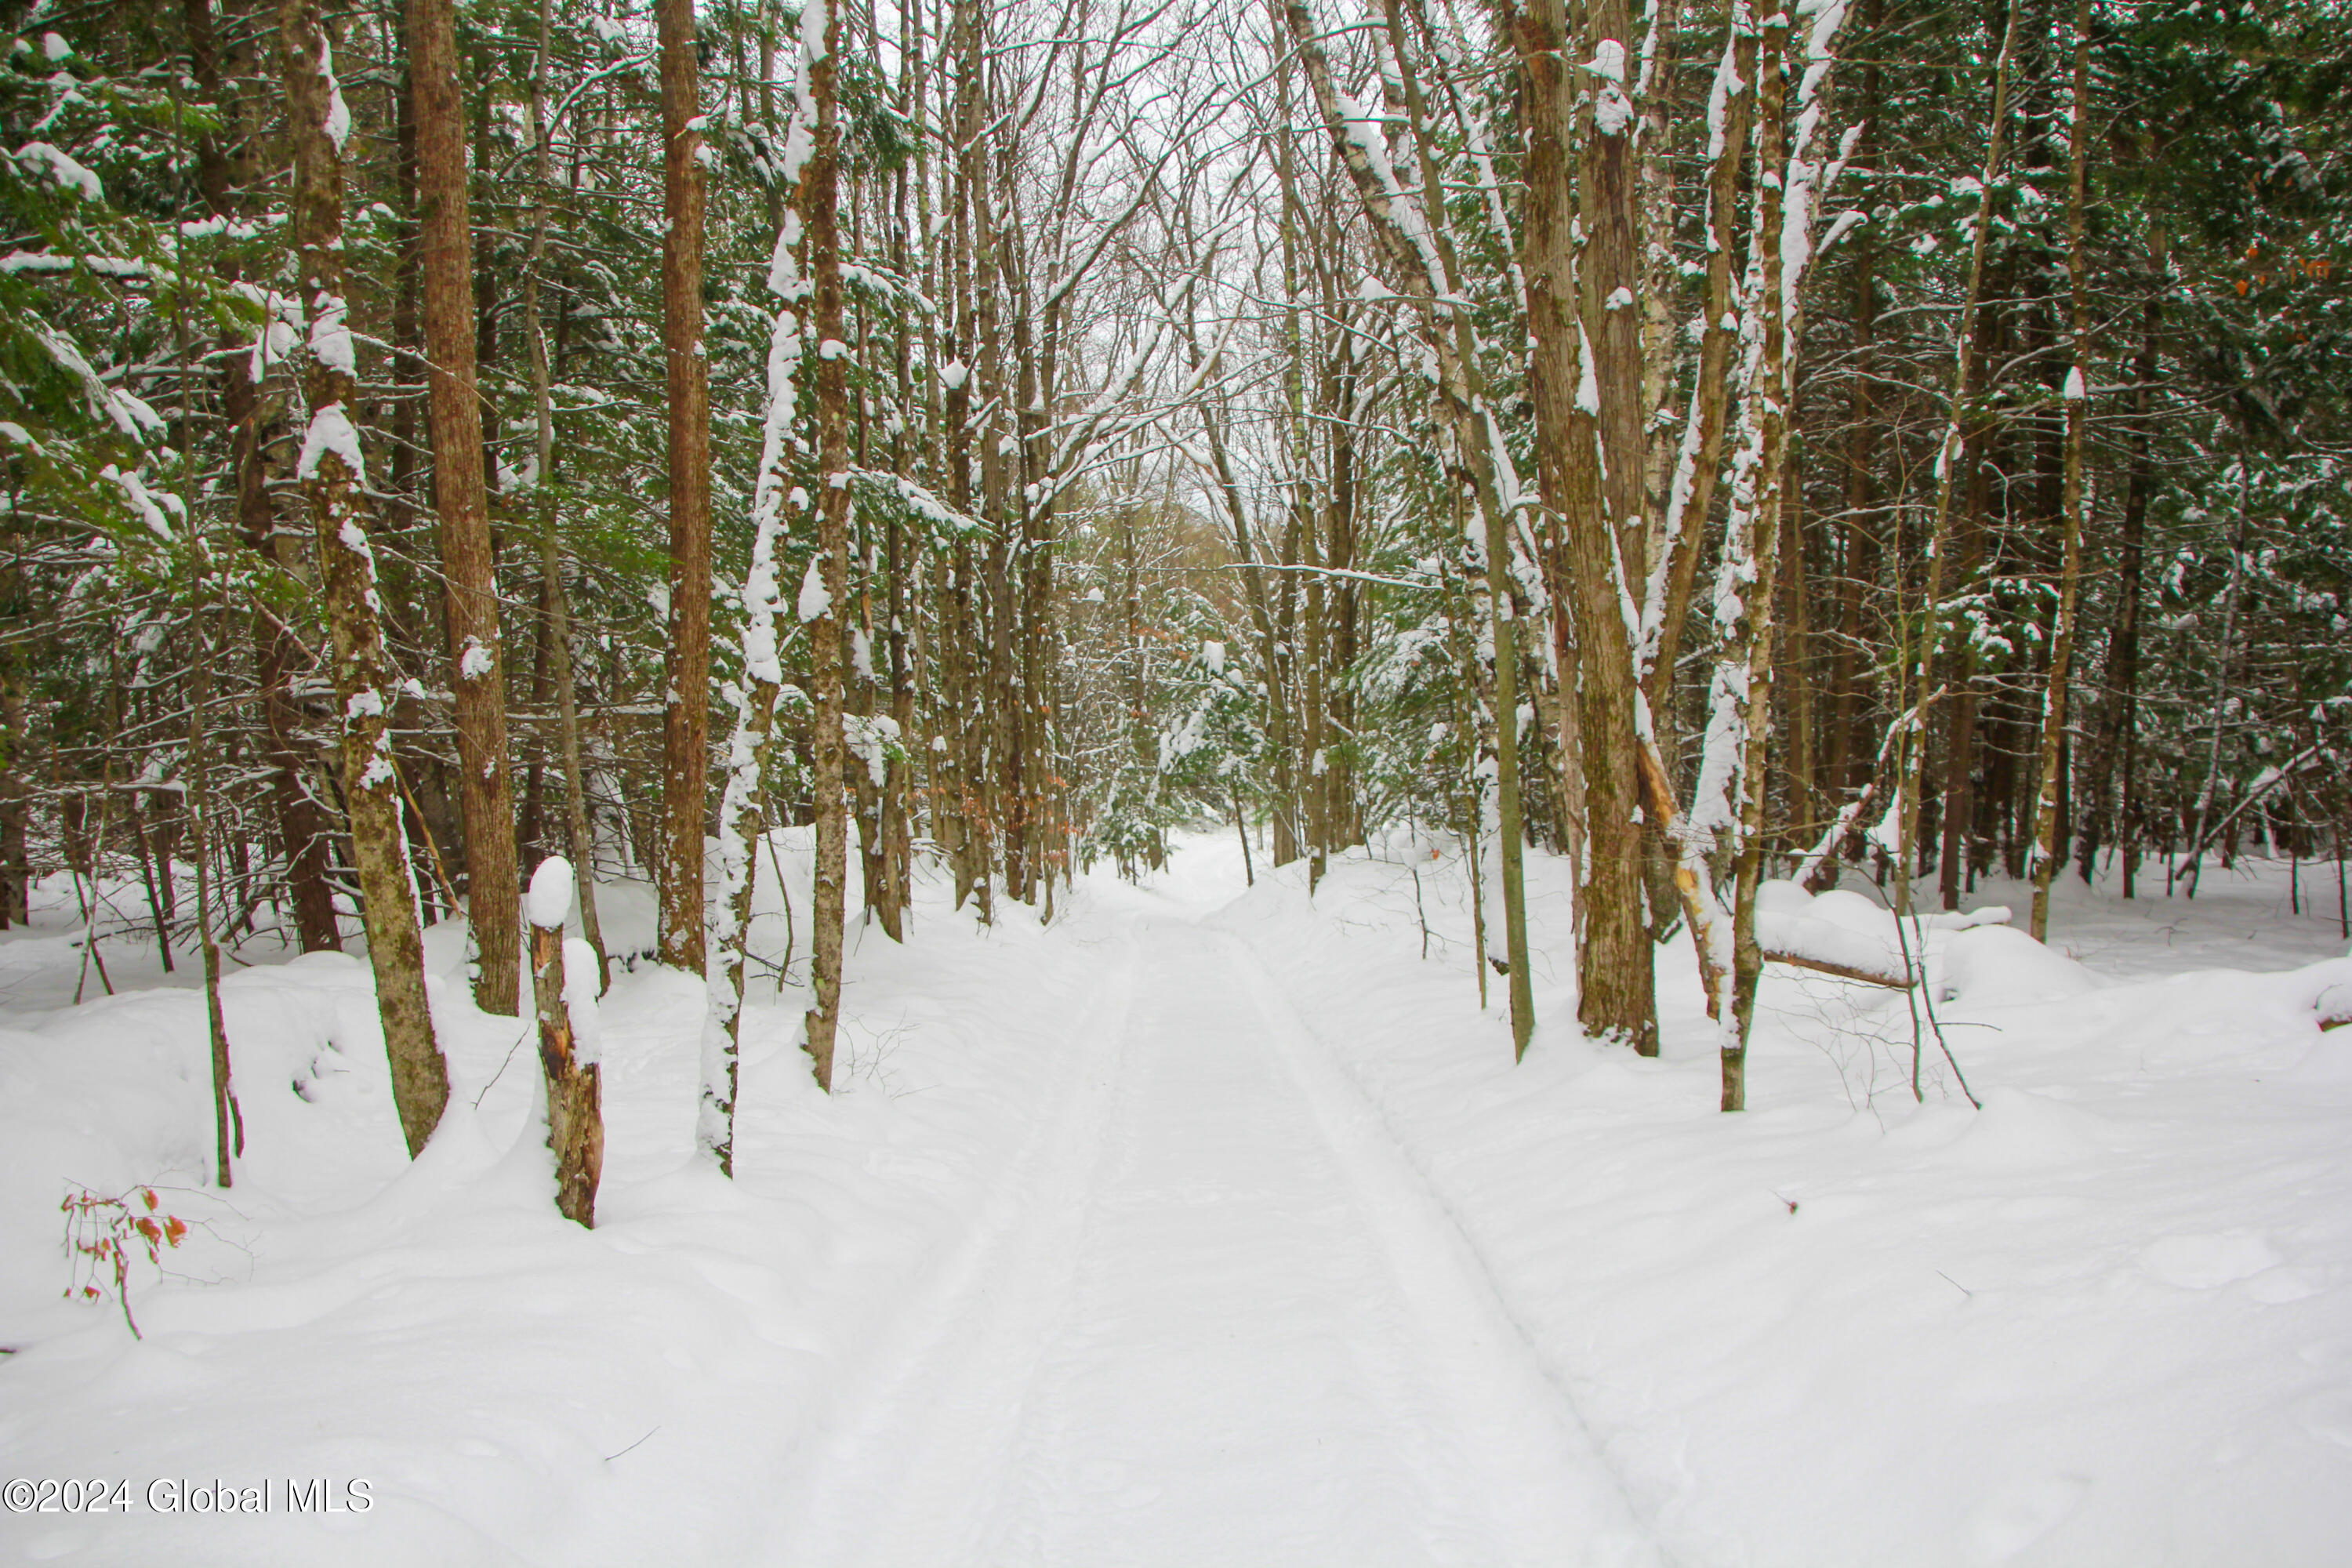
102,1233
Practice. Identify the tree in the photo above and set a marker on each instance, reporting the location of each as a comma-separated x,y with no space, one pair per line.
334,473
686,762
477,660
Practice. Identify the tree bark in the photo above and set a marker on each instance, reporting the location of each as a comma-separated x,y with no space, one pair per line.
557,631
333,479
686,703
1575,419
2118,739
2075,396
302,823
575,1089
832,563
477,658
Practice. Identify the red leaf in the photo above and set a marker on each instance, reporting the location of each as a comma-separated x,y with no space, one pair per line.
149,1194
150,1229
174,1228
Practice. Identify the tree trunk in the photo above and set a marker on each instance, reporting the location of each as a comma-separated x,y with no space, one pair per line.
1617,999
333,477
686,704
302,823
2044,862
556,634
16,798
570,1066
2118,739
1921,656
832,563
477,660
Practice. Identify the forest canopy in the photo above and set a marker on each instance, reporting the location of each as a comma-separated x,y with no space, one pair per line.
1885,438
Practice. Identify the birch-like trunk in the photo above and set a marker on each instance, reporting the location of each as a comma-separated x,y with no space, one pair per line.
742,814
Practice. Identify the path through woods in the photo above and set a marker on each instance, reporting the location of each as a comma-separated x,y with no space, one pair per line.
1215,1317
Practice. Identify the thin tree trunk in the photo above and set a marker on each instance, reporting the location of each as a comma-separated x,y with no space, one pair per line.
2231,596
228,1120
686,704
16,798
2044,863
558,632
832,563
569,1066
742,816
1749,567
333,476
1927,639
302,824
2118,735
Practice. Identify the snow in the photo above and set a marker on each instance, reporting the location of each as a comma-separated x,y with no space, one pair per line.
815,598
1206,1225
40,158
142,501
476,662
330,432
330,334
580,1001
338,114
129,415
549,903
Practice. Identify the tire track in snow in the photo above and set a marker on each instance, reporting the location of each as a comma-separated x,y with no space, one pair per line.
1214,1317
1536,1444
908,1477
1240,1378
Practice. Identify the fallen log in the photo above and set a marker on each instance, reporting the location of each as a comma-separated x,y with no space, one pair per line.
1893,979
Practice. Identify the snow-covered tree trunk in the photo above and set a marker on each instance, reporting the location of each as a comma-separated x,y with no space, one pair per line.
824,597
333,475
1698,459
1739,716
1420,253
1656,626
1603,516
742,814
563,989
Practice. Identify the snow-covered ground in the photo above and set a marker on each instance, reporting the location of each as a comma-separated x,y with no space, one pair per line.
1216,1227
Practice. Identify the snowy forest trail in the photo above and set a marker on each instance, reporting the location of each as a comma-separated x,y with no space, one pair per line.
1226,1323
